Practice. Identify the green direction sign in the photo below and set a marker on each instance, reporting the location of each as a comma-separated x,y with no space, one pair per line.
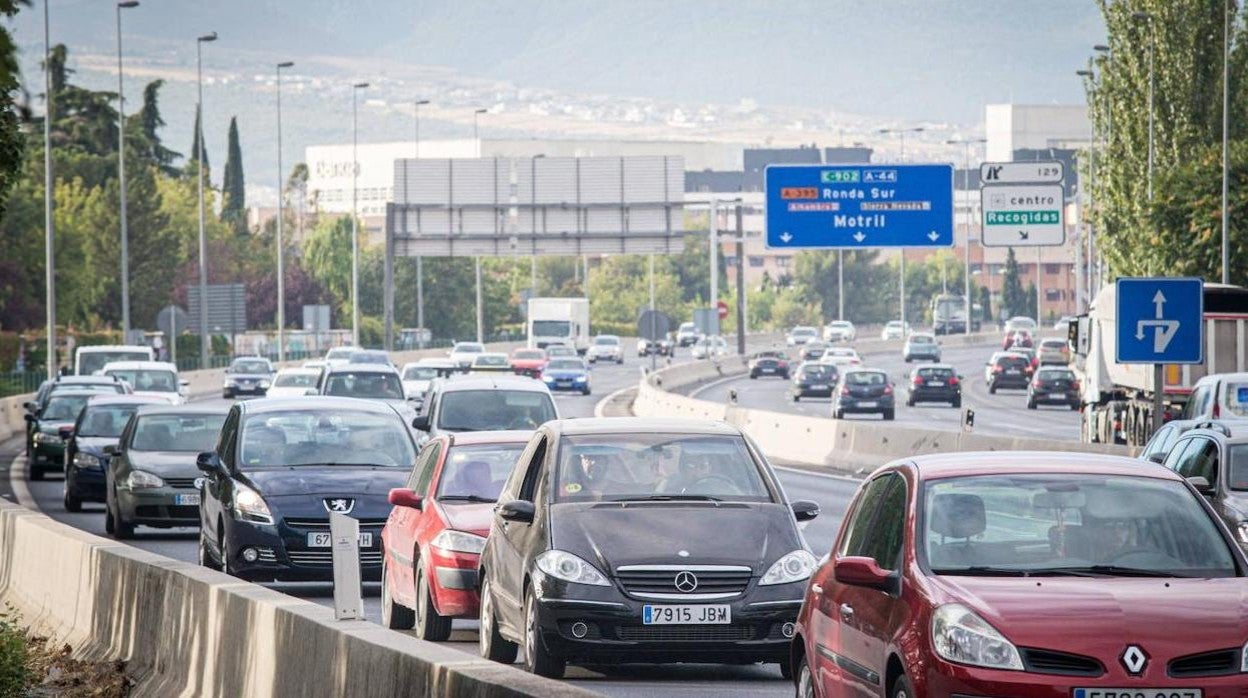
1023,215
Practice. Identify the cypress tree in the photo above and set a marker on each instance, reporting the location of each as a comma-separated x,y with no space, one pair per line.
233,187
199,134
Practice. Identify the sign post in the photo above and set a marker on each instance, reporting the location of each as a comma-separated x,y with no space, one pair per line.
1160,321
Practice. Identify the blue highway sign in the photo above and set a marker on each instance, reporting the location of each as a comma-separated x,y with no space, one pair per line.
833,206
1160,321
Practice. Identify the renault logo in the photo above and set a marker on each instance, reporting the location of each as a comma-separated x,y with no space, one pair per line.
339,505
1134,660
686,582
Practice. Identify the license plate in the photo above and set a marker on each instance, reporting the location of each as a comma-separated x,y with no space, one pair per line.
1013,372
1057,396
769,370
1138,693
686,615
186,499
866,404
323,539
936,384
820,387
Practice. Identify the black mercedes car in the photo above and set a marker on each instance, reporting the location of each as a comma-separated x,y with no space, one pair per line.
864,391
97,428
281,466
247,375
814,380
939,383
642,540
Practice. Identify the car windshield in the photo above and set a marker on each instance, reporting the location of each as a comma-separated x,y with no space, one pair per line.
1012,361
106,388
803,331
340,353
190,433
477,472
1237,473
688,327
922,339
325,437
468,348
295,380
250,367
560,350
607,341
866,378
494,360
365,384
420,373
105,420
91,361
565,365
529,354
552,328
816,371
1070,523
154,380
1052,375
493,410
63,408
617,467
1053,344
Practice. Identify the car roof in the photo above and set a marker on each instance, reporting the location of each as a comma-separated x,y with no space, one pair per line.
200,409
248,358
435,362
493,381
1052,340
1219,377
107,399
361,368
139,366
473,438
640,425
921,334
864,369
945,465
73,393
299,371
313,402
490,354
87,380
945,366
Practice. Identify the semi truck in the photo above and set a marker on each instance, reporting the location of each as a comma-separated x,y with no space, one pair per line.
1117,399
559,321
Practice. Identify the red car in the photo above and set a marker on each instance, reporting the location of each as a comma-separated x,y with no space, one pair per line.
1026,575
528,362
433,537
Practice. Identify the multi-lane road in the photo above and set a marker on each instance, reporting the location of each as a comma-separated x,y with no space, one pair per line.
831,491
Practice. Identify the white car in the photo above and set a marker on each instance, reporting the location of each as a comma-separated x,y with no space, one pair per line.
1063,323
800,335
688,334
339,355
318,364
293,382
710,347
841,356
840,331
464,352
606,347
417,377
1020,323
895,329
151,378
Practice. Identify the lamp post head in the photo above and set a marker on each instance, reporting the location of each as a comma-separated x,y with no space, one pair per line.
359,85
1101,48
421,102
285,64
481,111
127,4
210,36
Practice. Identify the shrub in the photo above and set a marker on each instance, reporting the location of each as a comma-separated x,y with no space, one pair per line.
12,656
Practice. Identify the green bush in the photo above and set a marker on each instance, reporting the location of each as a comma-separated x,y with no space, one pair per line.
623,329
12,656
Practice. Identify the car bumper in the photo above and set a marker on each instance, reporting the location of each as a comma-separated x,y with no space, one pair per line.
810,391
851,406
560,386
86,484
48,456
926,356
615,633
935,394
284,555
245,390
453,583
1043,398
1011,381
943,680
161,507
530,372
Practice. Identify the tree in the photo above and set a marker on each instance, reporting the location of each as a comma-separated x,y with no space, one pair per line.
815,279
1013,299
327,255
10,119
1030,308
149,123
985,301
195,144
233,188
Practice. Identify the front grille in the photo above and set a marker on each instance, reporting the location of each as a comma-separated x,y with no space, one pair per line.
266,555
154,511
323,524
325,558
1050,662
641,581
182,483
685,633
1215,663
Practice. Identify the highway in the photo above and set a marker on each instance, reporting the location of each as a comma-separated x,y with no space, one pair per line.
1002,414
830,491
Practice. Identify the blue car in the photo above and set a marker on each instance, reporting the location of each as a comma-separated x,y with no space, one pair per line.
567,373
90,442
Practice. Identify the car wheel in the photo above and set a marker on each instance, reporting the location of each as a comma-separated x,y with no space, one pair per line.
910,403
72,503
394,615
805,681
888,415
992,389
797,397
620,361
1031,405
36,473
786,670
902,688
110,525
537,658
753,376
586,391
957,403
430,625
493,646
122,529
837,414
225,395
205,557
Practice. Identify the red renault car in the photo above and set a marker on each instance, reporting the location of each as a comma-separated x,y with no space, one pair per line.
433,538
1026,575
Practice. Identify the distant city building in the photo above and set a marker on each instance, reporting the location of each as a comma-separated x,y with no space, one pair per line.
1013,127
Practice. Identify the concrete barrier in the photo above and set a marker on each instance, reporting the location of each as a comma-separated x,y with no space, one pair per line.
188,631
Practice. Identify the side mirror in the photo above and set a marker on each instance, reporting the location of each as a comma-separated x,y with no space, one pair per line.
110,450
30,406
66,432
863,572
517,510
805,510
404,497
184,383
28,417
1202,485
1158,458
208,463
421,422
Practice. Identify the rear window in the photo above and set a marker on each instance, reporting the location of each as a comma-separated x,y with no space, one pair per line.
817,371
921,339
495,410
1057,375
1237,398
1012,361
936,372
172,432
607,341
565,365
250,367
1053,344
296,380
866,378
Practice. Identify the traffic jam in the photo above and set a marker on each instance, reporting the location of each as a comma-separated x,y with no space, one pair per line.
623,540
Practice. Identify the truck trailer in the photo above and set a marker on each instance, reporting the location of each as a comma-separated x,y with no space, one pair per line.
559,321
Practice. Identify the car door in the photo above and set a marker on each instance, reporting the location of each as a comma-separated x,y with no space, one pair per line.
518,542
215,487
868,617
400,524
830,664
421,526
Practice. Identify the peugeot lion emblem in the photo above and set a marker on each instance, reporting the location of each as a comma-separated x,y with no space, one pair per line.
339,505
1134,660
686,582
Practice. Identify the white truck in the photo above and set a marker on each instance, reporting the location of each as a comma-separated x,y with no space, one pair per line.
559,321
89,359
1117,399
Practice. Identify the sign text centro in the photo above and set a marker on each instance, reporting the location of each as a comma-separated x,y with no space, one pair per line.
1023,215
835,206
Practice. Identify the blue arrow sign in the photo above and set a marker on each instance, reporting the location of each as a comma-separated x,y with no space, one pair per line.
1160,321
831,206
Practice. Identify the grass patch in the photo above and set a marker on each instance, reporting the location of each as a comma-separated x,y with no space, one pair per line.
31,666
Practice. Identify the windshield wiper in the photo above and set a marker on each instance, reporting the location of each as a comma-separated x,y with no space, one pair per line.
464,498
1108,571
670,498
983,571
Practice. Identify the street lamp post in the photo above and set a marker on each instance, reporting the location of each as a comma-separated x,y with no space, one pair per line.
1152,35
901,252
355,234
281,197
476,139
966,144
1095,261
199,178
121,180
420,262
49,250
1087,286
1226,67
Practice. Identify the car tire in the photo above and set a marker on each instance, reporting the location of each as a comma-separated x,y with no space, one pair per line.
786,670
226,395
493,645
72,503
902,688
797,397
753,376
992,389
205,557
838,414
907,358
394,615
889,415
36,473
1074,407
620,361
538,659
122,529
430,625
957,404
910,403
586,391
805,680
1031,404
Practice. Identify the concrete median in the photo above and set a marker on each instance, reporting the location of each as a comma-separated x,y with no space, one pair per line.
188,631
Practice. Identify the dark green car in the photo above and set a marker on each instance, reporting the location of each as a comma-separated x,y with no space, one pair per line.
46,448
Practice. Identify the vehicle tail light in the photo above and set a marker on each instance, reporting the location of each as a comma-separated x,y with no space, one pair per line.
784,364
1036,384
996,369
1076,386
845,391
888,390
953,381
918,380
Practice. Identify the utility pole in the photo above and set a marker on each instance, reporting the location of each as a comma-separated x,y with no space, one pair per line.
840,284
121,181
714,239
476,261
355,215
204,345
740,278
1226,153
420,266
281,214
49,248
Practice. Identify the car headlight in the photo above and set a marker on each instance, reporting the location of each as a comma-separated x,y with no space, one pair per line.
229,382
1242,532
138,480
43,437
794,567
86,460
569,568
961,636
548,379
1243,665
250,506
458,542
264,384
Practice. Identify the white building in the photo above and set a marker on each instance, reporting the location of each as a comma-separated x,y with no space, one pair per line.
1011,127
